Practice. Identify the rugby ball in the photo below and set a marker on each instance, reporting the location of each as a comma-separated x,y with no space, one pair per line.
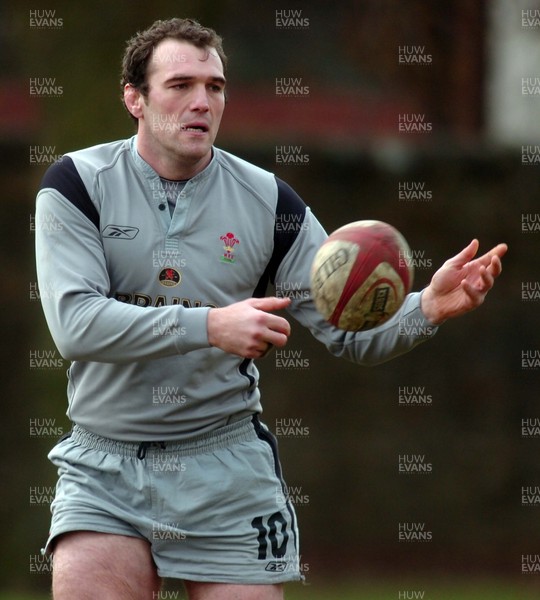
361,275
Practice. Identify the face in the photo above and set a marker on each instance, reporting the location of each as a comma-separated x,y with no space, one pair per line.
180,116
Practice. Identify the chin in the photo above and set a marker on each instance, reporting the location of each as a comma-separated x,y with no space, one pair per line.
193,155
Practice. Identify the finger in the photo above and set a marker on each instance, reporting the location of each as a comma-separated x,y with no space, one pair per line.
269,303
475,293
272,322
495,266
481,286
500,250
476,298
276,338
486,280
465,256
269,348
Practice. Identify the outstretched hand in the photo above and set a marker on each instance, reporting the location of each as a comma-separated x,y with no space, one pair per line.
462,283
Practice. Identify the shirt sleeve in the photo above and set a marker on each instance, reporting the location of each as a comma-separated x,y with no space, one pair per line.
85,323
401,333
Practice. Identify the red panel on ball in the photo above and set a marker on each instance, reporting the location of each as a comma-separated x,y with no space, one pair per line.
378,243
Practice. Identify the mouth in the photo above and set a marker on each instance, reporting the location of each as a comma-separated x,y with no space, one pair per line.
195,127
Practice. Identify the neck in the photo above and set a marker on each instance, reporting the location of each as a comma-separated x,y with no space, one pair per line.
173,165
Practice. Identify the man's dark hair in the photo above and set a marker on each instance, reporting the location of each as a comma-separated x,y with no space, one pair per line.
140,47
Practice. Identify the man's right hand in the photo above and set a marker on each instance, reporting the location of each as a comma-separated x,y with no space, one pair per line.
248,328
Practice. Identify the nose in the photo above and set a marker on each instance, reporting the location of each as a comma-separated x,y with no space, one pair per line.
199,100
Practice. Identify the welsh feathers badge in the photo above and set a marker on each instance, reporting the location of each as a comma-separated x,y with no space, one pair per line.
230,241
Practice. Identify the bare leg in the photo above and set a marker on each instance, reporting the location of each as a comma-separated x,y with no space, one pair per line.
226,591
90,566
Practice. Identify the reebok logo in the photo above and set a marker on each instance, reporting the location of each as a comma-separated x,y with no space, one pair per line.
120,232
276,567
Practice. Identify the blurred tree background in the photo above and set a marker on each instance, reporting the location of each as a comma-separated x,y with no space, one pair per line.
347,157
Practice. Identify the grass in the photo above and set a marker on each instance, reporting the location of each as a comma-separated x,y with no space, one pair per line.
22,596
526,589
421,590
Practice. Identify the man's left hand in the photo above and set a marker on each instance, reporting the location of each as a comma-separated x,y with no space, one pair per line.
462,283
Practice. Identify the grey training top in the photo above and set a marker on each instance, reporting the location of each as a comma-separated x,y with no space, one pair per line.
126,288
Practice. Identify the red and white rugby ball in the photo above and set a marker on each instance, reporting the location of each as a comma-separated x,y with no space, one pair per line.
361,275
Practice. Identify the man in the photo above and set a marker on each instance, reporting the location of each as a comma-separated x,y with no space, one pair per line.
168,471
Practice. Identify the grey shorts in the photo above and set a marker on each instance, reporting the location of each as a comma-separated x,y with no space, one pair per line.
213,509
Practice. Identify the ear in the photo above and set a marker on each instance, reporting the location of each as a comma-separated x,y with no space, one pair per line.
133,100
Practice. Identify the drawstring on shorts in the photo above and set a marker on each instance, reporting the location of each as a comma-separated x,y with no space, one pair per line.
143,447
223,437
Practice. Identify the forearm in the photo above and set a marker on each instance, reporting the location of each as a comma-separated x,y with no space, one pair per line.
404,331
92,328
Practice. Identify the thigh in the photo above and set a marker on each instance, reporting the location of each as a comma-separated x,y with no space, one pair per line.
88,565
224,591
